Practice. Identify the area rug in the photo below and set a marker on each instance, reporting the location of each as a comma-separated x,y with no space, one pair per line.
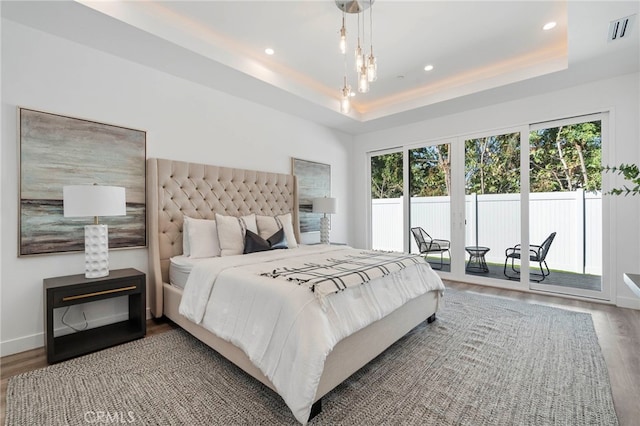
484,361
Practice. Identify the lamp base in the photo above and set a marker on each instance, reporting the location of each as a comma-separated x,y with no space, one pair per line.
324,230
96,251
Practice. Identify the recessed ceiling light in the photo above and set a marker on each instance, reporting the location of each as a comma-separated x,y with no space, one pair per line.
352,94
548,26
269,51
428,67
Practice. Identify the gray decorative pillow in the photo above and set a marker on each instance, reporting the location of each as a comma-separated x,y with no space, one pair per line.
278,240
268,225
254,243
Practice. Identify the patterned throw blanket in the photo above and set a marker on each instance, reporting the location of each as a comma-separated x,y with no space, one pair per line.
338,273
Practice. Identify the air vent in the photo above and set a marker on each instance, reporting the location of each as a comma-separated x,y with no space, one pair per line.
621,28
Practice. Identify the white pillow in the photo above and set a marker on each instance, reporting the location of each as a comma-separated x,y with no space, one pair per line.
287,224
231,231
202,237
269,225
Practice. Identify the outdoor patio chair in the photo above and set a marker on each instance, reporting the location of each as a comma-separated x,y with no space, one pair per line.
536,254
427,245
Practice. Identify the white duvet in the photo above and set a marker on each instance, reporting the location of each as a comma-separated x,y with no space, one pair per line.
284,329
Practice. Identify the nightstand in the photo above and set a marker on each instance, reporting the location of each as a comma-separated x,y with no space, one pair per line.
70,290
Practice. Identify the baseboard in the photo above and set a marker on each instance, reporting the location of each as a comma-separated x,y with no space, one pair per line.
34,341
21,344
628,302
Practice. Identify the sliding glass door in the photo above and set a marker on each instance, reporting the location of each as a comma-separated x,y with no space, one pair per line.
430,202
519,208
565,207
387,210
492,202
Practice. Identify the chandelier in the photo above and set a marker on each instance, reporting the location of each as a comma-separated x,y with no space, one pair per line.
366,65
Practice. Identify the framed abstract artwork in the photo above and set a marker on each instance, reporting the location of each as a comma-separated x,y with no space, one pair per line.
56,151
314,181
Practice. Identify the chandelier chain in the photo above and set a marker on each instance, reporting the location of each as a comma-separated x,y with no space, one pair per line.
371,24
365,65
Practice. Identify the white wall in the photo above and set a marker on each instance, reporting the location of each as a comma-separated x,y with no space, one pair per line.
183,120
619,95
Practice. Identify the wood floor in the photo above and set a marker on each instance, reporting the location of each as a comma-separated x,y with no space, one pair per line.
618,332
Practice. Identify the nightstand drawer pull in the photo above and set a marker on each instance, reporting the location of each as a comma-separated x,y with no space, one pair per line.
98,293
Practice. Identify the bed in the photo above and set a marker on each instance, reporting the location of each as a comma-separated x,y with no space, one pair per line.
177,189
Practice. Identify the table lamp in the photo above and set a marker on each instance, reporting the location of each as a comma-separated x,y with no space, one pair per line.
95,200
325,205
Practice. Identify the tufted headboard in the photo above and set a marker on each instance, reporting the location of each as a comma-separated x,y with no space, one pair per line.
176,189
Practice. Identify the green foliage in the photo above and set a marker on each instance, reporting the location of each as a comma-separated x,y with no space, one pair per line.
492,164
562,158
631,173
566,158
430,171
386,176
428,177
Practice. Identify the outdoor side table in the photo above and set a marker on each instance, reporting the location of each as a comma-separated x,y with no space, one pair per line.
477,262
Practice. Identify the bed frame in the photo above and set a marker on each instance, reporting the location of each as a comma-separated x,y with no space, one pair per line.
176,189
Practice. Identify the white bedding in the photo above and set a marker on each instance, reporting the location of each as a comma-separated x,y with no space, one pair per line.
285,330
180,268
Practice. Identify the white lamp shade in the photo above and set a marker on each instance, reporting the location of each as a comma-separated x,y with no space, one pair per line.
325,205
94,200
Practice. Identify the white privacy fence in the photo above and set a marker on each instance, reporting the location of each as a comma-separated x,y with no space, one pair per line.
494,221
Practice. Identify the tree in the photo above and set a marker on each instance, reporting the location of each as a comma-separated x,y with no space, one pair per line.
430,171
492,164
386,175
562,158
566,158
